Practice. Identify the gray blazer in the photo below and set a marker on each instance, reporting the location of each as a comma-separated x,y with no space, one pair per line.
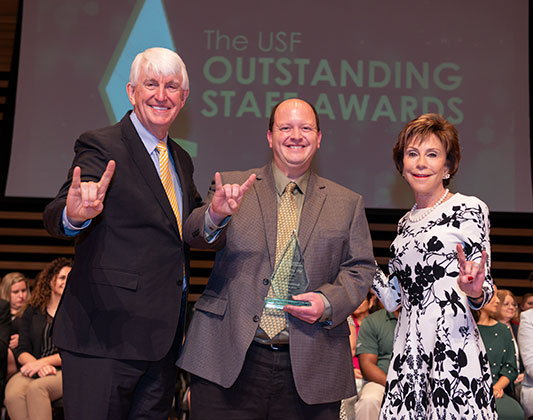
338,260
525,343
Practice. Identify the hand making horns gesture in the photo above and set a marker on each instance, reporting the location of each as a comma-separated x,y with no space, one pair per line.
471,274
85,200
227,198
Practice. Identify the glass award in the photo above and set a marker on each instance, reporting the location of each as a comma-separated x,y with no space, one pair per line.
288,278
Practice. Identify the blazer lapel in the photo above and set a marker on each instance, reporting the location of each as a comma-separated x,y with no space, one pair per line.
186,205
313,203
146,167
265,188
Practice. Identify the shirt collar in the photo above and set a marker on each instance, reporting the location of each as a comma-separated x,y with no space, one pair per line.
281,181
149,140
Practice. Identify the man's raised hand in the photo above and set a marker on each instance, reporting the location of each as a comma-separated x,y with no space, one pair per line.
227,198
85,200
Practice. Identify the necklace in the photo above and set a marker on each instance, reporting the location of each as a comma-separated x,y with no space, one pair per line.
429,210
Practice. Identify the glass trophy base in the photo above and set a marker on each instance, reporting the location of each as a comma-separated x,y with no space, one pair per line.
277,303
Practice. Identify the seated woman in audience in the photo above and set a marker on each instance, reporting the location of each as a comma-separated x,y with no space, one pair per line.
30,392
498,342
15,289
507,313
526,302
354,321
367,306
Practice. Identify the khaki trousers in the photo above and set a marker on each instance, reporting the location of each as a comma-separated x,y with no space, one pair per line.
368,405
28,398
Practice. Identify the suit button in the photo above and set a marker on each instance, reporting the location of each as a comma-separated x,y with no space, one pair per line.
266,282
256,318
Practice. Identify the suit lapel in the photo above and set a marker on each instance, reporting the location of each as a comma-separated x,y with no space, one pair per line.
265,189
313,203
146,167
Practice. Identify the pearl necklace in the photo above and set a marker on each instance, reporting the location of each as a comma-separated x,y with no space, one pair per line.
429,210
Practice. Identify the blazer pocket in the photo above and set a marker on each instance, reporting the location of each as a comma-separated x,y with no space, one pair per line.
211,303
114,278
332,234
340,331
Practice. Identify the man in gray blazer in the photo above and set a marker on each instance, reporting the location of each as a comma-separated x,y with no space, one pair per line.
525,342
238,369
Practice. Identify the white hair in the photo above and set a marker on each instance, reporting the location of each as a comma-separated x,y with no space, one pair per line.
160,62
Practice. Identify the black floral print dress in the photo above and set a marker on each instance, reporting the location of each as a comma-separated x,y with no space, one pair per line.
439,367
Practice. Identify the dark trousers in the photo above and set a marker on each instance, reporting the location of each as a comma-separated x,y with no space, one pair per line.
101,388
264,390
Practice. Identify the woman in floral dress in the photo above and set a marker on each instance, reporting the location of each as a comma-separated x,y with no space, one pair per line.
438,268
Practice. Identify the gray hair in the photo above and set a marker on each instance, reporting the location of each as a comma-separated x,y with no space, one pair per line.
161,62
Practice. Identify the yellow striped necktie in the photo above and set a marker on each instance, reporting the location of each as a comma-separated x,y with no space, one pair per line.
166,180
273,321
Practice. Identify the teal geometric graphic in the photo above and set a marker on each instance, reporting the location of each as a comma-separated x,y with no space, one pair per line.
191,147
147,27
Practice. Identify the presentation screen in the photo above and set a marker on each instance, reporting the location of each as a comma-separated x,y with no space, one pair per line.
369,67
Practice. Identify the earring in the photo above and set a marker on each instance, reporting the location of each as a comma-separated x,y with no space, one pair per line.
446,176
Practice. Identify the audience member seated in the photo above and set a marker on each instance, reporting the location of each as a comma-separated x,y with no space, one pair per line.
354,321
498,342
30,392
525,341
507,313
15,289
374,350
366,307
526,302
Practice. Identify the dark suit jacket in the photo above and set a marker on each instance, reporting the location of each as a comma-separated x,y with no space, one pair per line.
5,334
123,295
31,332
5,328
338,260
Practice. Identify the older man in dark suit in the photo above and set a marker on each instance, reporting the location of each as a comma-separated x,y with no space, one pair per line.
241,366
120,320
5,332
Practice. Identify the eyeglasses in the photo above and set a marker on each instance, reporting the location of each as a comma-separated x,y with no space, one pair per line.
514,305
